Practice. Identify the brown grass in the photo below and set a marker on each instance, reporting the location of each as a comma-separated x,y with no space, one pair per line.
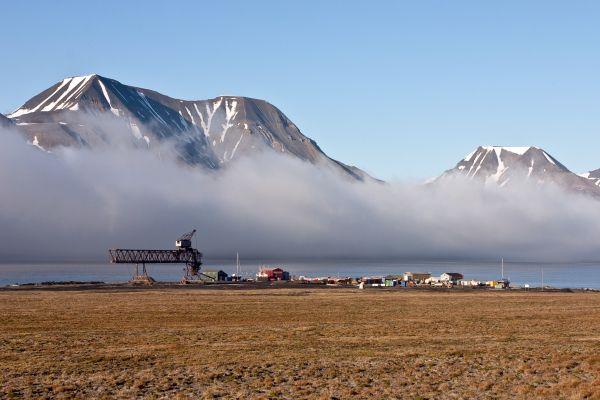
280,343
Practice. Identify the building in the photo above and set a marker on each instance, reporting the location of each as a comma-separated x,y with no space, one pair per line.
499,284
280,275
393,280
471,283
453,277
372,280
338,281
416,277
275,274
213,275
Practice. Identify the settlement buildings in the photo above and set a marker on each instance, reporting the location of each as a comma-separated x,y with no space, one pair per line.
413,279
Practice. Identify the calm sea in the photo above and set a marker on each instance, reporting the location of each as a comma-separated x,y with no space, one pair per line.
576,275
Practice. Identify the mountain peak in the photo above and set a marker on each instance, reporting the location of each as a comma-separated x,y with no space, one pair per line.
500,164
84,76
517,150
520,150
61,96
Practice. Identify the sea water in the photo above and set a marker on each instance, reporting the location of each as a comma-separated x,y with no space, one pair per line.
559,275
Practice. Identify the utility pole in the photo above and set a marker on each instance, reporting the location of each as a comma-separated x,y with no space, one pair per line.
542,279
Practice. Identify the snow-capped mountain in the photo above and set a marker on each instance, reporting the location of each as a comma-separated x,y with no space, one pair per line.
210,132
506,165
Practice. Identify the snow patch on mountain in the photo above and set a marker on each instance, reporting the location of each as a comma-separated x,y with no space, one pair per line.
36,143
498,149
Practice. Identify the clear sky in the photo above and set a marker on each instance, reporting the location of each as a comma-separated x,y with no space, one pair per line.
401,89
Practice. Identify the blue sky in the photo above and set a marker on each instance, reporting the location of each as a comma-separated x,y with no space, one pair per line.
401,89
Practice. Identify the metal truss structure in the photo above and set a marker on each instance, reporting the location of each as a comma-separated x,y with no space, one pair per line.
191,257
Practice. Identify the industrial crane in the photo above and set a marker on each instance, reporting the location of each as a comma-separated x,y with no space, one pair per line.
184,253
185,240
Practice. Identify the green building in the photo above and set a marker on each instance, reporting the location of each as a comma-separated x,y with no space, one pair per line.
213,275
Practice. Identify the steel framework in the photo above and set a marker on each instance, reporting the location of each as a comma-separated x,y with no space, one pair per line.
191,257
135,256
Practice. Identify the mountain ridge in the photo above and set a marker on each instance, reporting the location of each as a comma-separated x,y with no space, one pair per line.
5,121
503,165
593,176
209,132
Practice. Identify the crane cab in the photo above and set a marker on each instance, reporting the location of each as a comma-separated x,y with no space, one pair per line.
183,243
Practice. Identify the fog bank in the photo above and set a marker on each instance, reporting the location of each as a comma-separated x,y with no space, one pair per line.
75,204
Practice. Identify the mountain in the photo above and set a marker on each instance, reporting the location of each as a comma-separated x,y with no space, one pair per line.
506,165
592,176
4,121
85,111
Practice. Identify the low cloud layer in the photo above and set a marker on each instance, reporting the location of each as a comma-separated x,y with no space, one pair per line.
75,204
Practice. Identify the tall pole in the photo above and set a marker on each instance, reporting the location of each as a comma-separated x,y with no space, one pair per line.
502,268
542,279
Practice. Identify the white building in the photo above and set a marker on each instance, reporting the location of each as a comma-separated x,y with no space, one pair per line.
451,277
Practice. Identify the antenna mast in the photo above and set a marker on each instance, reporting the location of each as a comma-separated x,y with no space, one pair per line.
542,279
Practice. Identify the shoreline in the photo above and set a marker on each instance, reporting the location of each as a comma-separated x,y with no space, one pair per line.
175,286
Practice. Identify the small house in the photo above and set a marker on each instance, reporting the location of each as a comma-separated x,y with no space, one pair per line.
213,275
453,277
416,277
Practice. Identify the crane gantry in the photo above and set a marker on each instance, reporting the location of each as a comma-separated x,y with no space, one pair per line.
183,253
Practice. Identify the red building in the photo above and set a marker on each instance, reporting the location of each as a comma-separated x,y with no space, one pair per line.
275,274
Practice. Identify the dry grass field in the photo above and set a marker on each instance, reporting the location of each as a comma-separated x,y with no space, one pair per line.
299,343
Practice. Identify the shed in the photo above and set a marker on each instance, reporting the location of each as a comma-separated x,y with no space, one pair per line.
213,275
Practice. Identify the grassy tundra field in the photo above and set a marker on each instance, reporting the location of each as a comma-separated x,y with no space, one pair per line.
298,343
